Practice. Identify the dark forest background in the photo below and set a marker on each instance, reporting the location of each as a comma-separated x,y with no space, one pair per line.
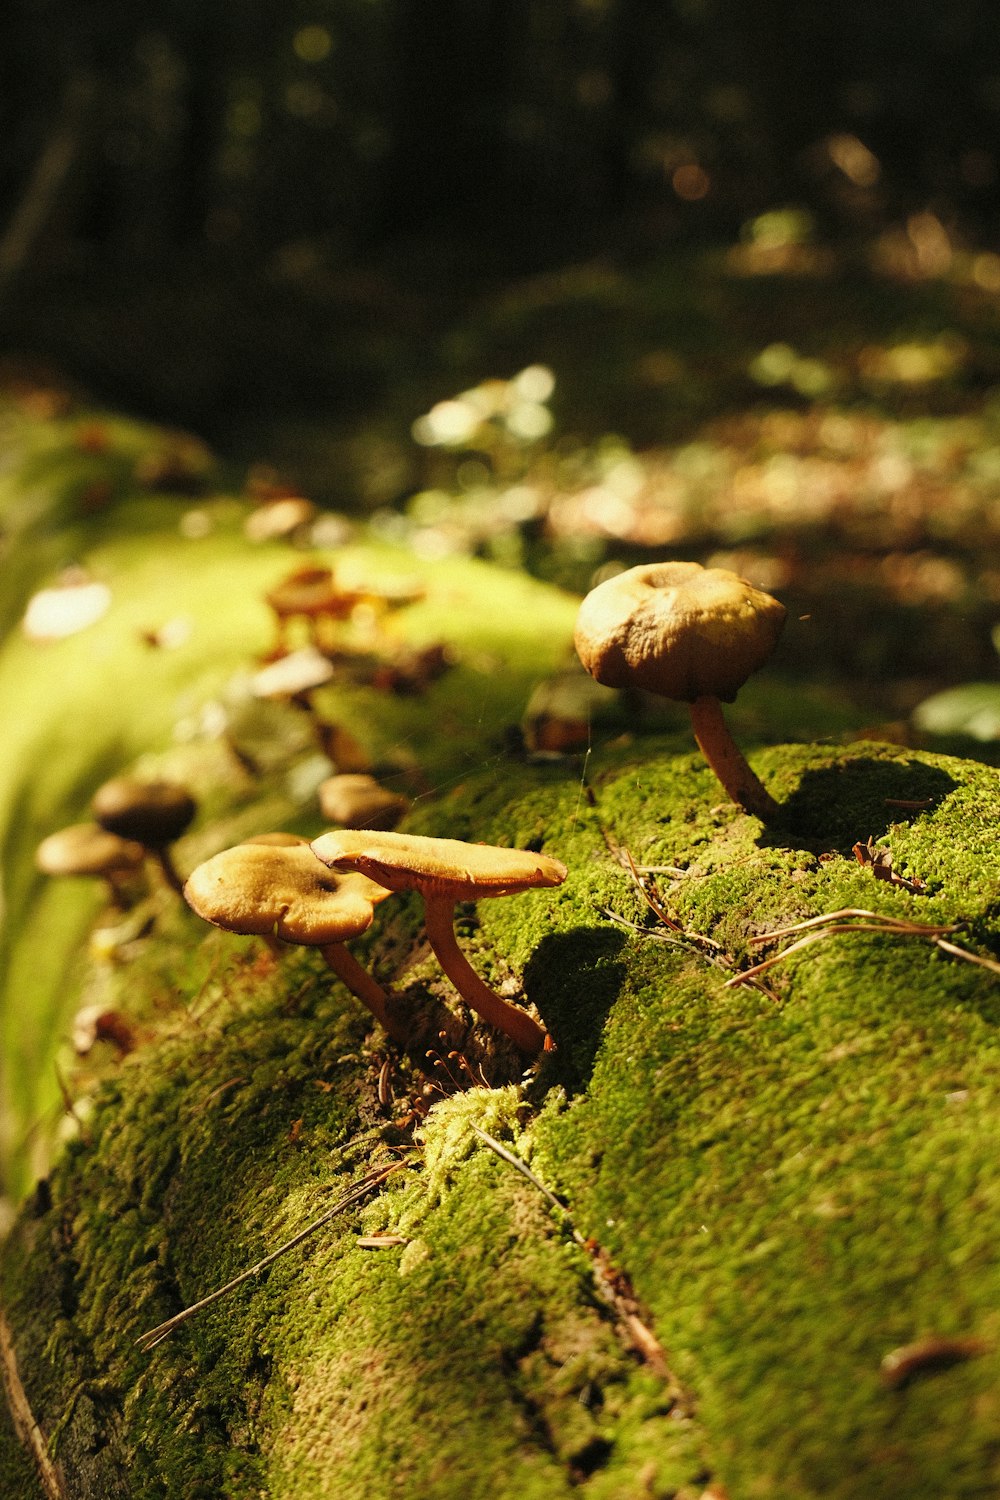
226,213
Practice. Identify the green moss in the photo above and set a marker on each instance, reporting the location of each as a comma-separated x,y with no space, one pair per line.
795,1181
784,1182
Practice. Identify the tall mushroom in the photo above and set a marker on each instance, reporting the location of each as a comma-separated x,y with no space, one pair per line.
153,813
690,633
89,849
446,871
280,890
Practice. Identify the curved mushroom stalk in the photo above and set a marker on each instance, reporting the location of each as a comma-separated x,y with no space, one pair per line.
446,871
692,634
728,762
274,888
522,1029
168,869
367,989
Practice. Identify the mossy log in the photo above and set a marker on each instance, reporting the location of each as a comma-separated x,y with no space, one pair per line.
772,1188
727,1239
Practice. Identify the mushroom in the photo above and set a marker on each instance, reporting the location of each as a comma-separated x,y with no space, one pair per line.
446,871
97,1023
280,890
358,801
690,633
153,813
89,849
296,677
73,603
309,593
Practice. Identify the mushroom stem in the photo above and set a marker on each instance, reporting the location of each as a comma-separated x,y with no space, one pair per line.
515,1023
162,856
368,990
728,761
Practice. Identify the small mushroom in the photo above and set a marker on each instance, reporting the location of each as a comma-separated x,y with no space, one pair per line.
73,603
413,671
358,801
153,813
295,678
280,890
89,849
446,871
690,633
97,1023
310,593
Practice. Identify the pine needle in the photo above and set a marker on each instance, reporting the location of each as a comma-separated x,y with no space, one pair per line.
156,1335
828,925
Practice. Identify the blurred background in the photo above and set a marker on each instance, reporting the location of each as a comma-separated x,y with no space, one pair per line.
567,283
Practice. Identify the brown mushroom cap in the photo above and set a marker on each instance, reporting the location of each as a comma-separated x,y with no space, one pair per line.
358,801
438,867
153,813
677,629
87,849
310,590
265,889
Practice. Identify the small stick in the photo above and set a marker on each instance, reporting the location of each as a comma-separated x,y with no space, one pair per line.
522,1166
972,958
881,924
651,898
936,1352
803,942
890,924
154,1336
642,1338
23,1418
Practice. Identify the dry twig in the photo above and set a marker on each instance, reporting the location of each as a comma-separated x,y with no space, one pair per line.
641,1337
154,1336
828,925
23,1418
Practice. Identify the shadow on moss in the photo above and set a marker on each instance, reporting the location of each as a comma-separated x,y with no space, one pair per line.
837,806
574,978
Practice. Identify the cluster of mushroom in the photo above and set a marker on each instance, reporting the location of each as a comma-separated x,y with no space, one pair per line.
312,596
324,894
132,818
